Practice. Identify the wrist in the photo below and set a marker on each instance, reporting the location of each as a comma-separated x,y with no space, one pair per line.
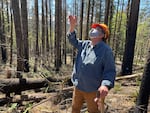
108,87
71,29
104,86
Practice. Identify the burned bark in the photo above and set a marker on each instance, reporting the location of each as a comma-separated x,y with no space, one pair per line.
144,93
130,38
16,85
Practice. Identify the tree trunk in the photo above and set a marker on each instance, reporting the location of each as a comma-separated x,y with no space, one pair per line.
110,20
43,32
92,12
130,38
11,38
1,32
58,33
36,35
118,35
8,27
47,37
115,27
107,7
144,93
76,8
3,35
19,39
100,11
81,19
24,22
64,32
50,28
73,48
87,20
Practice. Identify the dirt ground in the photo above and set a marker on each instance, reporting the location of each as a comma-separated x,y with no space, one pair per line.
121,99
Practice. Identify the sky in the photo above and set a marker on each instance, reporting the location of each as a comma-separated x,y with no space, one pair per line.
143,4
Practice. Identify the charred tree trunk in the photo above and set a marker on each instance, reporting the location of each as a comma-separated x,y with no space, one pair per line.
11,38
81,19
3,35
36,35
92,12
74,49
50,28
19,39
144,93
1,32
8,27
64,32
130,38
87,22
21,84
46,25
58,32
43,32
24,23
99,16
107,7
110,20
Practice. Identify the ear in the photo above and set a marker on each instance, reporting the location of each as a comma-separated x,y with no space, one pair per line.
103,35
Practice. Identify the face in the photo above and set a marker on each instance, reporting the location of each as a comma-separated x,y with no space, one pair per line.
96,33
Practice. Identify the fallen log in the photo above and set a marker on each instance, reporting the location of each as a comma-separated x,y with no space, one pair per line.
65,89
16,85
128,76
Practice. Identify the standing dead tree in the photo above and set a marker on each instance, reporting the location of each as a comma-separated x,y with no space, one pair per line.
130,38
19,38
143,98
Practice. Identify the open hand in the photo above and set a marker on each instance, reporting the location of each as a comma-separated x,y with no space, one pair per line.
73,22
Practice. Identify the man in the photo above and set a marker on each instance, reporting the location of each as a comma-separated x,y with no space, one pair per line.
94,68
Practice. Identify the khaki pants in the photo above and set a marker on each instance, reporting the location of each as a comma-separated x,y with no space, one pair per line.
78,99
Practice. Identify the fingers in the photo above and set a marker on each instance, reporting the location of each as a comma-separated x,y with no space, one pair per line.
100,103
73,22
72,19
96,99
100,97
71,16
103,91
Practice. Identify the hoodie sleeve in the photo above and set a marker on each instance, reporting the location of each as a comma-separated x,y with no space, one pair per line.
74,41
109,72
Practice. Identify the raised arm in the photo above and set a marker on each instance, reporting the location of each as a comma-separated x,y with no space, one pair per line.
72,34
73,23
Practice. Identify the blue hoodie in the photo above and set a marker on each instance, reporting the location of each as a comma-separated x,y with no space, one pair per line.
94,66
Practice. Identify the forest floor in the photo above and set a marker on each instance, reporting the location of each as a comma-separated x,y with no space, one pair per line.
121,99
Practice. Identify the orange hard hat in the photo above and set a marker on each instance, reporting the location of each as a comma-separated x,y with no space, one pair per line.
104,27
